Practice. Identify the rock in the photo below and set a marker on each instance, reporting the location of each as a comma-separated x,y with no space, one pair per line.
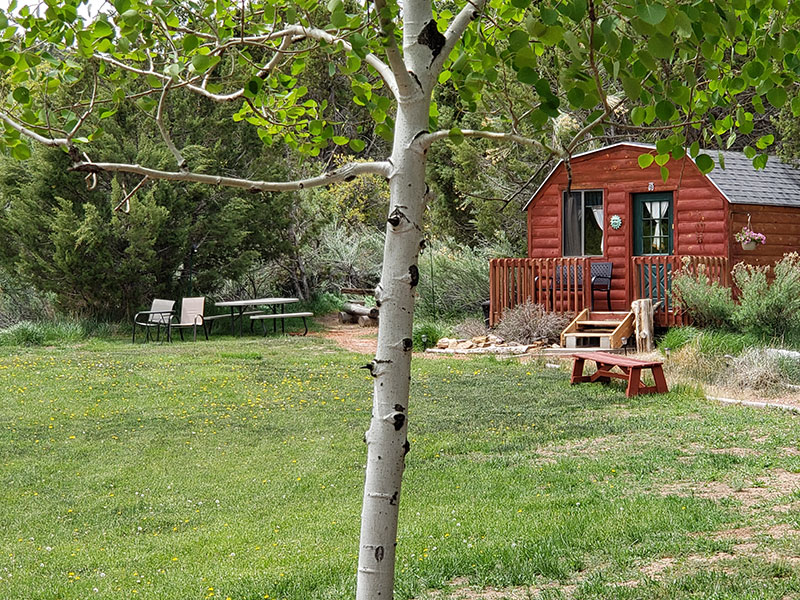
480,339
453,344
464,345
494,339
443,343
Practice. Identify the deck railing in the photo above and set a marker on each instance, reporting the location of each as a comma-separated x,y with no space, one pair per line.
652,278
555,283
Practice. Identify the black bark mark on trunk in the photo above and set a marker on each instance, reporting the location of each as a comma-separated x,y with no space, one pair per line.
379,552
393,499
407,344
399,408
406,447
399,421
414,272
432,38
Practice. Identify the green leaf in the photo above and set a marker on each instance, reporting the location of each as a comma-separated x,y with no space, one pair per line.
102,29
528,75
340,140
705,163
357,145
203,62
548,16
760,161
764,141
638,115
661,46
651,13
664,174
576,96
456,136
190,42
662,159
22,95
645,160
21,152
777,97
665,110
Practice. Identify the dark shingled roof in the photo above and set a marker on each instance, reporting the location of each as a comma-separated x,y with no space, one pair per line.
777,184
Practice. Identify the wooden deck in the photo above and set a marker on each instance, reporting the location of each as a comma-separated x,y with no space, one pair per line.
513,281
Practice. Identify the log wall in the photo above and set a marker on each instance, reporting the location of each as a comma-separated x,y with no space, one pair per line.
700,224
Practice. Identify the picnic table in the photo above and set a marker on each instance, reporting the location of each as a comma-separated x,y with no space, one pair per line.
631,371
240,306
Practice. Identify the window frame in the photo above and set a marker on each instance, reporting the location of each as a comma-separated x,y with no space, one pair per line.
582,210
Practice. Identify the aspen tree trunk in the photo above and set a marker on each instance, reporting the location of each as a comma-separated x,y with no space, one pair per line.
387,443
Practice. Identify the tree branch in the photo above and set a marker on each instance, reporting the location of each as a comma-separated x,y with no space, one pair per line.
165,132
456,29
52,142
289,32
344,173
424,141
405,84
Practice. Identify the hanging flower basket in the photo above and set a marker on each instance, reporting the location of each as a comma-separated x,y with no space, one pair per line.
749,245
749,238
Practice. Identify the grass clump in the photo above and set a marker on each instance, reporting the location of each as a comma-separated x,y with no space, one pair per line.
762,370
529,323
35,333
432,329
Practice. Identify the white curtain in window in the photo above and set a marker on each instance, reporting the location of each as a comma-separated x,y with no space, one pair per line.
597,212
658,210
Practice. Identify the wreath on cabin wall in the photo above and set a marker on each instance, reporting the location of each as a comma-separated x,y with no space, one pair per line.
616,221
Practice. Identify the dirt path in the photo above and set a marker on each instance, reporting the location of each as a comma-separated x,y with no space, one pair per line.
350,337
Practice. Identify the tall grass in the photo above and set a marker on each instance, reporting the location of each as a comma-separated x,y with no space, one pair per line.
40,333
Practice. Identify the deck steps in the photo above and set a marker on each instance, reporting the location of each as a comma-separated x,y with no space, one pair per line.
604,330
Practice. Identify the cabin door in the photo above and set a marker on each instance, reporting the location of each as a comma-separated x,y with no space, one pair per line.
652,236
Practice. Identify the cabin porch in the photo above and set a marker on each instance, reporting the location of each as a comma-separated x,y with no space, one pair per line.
558,283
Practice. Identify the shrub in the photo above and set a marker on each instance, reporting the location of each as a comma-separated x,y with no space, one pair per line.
769,309
530,322
470,328
707,302
454,279
431,329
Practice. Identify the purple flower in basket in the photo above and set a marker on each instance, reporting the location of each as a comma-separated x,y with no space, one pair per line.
748,235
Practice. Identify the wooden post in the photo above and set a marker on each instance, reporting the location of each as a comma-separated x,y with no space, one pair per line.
643,315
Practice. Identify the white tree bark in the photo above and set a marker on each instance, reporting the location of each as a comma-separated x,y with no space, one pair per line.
387,442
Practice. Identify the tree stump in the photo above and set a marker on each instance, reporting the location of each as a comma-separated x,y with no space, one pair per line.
643,315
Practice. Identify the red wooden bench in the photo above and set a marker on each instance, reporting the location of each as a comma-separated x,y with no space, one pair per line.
631,372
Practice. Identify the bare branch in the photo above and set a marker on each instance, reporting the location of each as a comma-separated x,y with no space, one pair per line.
290,32
424,141
165,132
344,173
456,29
52,142
88,112
127,199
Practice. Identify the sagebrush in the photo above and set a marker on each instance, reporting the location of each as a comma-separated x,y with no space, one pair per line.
708,302
529,323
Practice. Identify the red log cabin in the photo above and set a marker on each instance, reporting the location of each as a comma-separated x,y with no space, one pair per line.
628,220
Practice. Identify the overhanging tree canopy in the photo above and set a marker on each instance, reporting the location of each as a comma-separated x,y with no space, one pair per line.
670,66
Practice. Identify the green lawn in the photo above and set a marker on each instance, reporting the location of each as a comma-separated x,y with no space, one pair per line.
234,469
